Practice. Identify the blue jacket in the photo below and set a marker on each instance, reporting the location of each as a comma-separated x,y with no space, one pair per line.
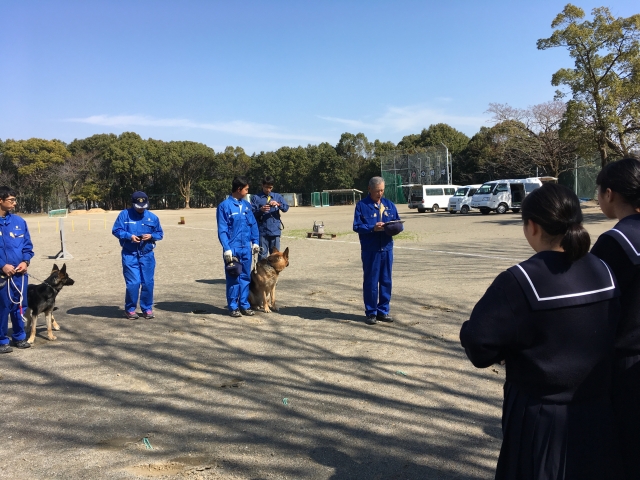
130,222
16,241
237,226
268,222
364,220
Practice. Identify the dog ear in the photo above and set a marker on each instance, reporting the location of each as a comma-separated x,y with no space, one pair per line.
286,253
55,268
64,269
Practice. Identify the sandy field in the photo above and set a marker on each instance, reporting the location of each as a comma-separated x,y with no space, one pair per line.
311,392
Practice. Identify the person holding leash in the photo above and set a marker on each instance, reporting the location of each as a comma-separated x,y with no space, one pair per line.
138,230
619,198
552,320
16,251
267,207
238,235
371,220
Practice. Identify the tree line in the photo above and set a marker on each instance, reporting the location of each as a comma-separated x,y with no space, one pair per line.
597,115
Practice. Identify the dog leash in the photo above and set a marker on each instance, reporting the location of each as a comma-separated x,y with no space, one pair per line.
20,291
43,281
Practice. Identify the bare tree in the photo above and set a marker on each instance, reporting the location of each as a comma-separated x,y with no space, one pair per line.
534,136
74,173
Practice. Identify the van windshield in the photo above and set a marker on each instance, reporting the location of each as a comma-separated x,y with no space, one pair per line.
461,192
486,188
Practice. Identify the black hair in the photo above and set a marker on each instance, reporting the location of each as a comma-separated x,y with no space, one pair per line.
622,177
6,192
557,210
268,180
238,182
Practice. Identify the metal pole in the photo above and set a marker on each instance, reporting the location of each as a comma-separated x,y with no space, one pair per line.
575,177
447,153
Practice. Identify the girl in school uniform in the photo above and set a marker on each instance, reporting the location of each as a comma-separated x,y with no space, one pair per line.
619,197
552,319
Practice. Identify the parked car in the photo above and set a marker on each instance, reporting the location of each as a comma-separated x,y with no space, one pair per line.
461,200
501,196
430,197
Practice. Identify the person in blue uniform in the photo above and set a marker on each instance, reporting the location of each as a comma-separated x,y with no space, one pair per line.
552,319
15,254
267,207
619,197
238,235
376,244
138,230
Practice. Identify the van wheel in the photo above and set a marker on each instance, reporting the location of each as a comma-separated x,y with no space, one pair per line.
484,211
502,208
422,210
435,207
515,210
464,209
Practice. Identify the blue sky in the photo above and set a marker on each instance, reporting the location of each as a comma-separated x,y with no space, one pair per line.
264,74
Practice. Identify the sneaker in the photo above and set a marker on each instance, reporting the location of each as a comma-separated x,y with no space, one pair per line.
371,320
22,344
384,318
148,314
248,312
131,315
6,348
235,313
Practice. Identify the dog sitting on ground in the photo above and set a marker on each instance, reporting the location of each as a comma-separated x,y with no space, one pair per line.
262,290
42,299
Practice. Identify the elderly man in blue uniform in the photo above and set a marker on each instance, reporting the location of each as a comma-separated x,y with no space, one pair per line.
15,254
138,230
238,235
267,207
376,220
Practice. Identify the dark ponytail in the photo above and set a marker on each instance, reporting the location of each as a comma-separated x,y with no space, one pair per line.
557,210
622,177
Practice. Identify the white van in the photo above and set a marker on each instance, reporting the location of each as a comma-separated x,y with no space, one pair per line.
501,195
461,200
430,197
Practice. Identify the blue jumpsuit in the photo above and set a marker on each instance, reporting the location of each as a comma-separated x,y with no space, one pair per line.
377,254
237,230
138,260
16,248
268,222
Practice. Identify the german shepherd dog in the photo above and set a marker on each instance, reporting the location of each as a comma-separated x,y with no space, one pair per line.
262,290
42,298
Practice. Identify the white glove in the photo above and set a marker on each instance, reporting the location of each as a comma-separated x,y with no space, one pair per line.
255,248
228,256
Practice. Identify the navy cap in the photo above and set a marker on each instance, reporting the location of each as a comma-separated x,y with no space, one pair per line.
234,267
393,228
140,200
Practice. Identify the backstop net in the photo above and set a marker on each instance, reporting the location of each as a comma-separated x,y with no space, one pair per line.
401,170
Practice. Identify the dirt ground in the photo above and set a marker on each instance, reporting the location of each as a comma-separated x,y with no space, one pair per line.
310,392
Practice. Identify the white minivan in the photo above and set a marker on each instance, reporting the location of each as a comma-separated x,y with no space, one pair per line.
500,196
430,197
461,200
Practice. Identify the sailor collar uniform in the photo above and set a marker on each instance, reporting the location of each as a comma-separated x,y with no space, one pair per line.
627,234
585,281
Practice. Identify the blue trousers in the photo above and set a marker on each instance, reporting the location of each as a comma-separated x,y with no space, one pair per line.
10,292
138,273
238,287
376,287
267,242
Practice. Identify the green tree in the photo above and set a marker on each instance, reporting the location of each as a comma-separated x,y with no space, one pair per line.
605,80
34,160
186,162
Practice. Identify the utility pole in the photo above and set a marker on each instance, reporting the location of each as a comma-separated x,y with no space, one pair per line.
449,171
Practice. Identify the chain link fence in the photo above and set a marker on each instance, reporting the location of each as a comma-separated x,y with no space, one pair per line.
400,170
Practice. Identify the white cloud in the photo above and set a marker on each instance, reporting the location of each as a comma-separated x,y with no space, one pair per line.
237,127
411,118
